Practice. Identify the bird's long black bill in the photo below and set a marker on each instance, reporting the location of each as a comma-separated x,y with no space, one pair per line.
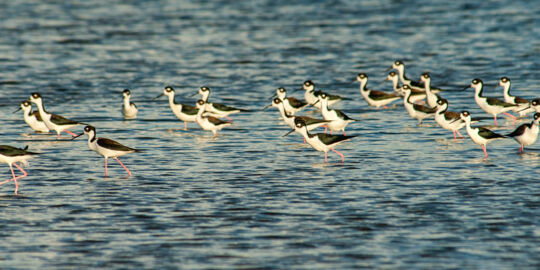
291,131
315,103
17,110
194,94
75,137
266,107
160,95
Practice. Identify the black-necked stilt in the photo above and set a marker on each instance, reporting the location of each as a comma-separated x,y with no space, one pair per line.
479,135
32,118
373,97
321,141
447,119
129,109
106,147
526,134
431,97
290,104
522,104
416,95
209,122
311,95
53,121
216,109
12,155
490,105
311,123
417,111
183,112
400,67
338,120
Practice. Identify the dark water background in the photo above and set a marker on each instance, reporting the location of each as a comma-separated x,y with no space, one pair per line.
407,197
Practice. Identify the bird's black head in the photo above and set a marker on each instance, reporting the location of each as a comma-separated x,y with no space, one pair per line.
126,92
505,79
425,75
398,63
536,116
362,76
392,73
476,81
169,89
441,101
25,103
535,102
277,100
204,89
200,102
36,95
308,83
465,113
88,129
282,90
299,122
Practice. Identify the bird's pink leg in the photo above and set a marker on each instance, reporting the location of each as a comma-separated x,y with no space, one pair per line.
342,157
304,140
185,125
127,170
513,117
228,118
521,150
325,128
325,158
344,133
384,106
105,167
495,117
14,179
485,151
454,132
70,133
459,134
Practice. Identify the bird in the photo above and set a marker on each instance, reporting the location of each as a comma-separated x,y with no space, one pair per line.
373,97
522,104
311,95
129,109
216,109
400,67
526,134
490,105
53,121
311,123
11,155
106,147
479,135
290,104
338,120
448,119
209,122
183,112
416,95
431,97
417,111
320,141
32,118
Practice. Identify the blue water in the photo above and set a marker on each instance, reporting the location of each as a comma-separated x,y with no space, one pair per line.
407,197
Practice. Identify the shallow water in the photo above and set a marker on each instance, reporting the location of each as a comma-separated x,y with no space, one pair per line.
406,197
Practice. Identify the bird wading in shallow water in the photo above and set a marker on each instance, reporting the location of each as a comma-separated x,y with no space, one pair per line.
11,155
106,147
53,121
321,141
129,109
526,134
32,118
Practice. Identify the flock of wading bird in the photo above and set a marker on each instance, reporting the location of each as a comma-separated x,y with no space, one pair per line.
420,99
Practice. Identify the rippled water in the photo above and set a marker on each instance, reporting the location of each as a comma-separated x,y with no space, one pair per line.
406,197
